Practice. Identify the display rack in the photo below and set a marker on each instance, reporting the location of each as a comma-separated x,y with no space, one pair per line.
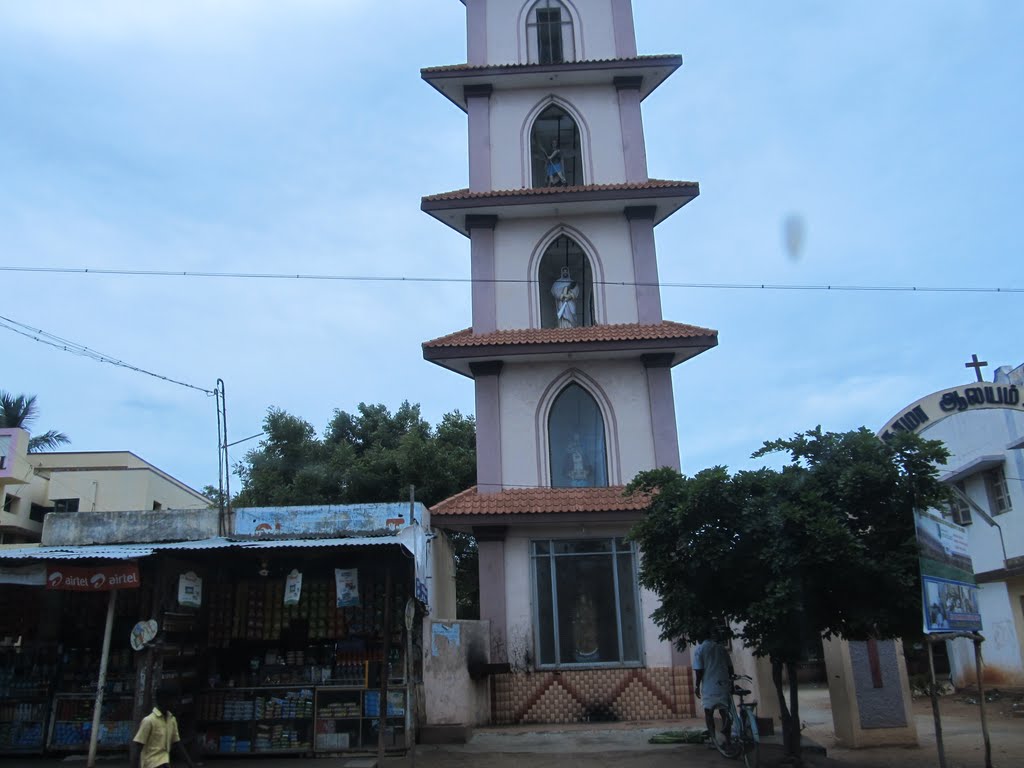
258,720
349,718
24,700
71,722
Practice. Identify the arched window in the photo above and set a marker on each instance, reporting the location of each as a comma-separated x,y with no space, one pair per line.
566,282
576,444
555,145
549,33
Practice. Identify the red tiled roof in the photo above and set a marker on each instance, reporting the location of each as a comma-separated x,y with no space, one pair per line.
539,501
471,67
590,333
465,194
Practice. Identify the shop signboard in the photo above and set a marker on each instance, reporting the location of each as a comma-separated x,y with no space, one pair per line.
949,590
100,578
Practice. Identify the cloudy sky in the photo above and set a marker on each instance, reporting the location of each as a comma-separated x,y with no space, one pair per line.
252,136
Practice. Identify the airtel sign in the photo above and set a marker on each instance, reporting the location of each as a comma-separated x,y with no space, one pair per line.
97,579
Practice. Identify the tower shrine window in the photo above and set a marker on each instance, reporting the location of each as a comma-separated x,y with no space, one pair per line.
549,33
566,282
576,441
555,146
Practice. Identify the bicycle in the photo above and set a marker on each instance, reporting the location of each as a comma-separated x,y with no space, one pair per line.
741,724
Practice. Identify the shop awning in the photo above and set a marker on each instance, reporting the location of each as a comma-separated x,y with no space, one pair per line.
135,551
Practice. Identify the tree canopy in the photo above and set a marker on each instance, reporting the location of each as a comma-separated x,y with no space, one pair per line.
21,411
372,455
823,547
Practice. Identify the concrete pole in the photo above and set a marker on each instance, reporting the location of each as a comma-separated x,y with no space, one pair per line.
101,681
981,701
935,707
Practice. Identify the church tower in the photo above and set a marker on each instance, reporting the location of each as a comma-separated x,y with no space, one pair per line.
569,353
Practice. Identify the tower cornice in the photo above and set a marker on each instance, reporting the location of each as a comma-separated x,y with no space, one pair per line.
656,199
643,72
666,344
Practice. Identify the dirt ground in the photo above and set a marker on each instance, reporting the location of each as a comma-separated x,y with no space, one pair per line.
627,745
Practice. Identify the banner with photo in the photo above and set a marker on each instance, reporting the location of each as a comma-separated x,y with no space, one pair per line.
949,591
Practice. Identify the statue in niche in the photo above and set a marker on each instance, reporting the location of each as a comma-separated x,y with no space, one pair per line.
566,292
554,168
578,471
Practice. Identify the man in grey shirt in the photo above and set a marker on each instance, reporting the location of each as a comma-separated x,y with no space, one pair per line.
714,684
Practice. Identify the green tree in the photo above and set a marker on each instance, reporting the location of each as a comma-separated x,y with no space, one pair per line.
371,455
20,411
823,547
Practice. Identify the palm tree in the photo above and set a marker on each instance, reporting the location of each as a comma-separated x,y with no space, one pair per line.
20,411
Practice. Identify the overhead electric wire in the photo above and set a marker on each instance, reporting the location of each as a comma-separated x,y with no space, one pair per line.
422,279
44,337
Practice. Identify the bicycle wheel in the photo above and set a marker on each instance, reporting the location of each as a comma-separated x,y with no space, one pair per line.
749,741
721,718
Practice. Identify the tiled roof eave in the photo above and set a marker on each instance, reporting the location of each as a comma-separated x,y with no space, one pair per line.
646,60
464,198
626,334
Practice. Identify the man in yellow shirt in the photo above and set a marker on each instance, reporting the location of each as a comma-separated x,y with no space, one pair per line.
157,736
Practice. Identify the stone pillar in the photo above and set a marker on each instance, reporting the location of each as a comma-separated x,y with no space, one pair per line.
870,694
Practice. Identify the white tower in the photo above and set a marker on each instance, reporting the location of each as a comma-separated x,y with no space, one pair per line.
569,352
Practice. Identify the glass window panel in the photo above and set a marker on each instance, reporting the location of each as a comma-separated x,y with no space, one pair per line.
628,610
576,441
587,623
541,547
582,546
545,612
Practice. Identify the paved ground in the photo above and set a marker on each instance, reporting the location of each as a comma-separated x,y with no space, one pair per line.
627,745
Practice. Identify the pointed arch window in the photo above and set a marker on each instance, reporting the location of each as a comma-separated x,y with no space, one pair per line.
555,144
566,281
549,33
576,440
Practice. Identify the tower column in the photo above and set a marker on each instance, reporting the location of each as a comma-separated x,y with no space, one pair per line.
631,121
478,107
625,33
645,263
488,426
663,410
482,270
476,32
490,542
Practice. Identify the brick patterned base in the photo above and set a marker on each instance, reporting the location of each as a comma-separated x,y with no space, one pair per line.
592,695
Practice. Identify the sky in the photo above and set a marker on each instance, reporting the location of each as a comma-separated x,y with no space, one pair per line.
252,136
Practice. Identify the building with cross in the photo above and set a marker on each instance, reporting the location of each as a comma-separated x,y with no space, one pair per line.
981,424
569,353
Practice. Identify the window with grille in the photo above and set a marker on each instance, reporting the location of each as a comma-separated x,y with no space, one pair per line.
998,493
65,505
959,509
549,33
587,609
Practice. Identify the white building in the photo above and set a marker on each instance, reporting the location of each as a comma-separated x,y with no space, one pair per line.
982,426
34,485
569,352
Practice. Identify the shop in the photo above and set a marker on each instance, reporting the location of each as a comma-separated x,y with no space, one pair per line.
275,647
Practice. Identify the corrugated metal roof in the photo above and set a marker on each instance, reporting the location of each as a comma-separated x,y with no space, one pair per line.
134,551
